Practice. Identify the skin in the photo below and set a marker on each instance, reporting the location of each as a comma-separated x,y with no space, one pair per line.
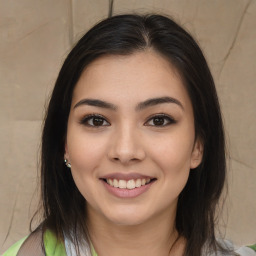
129,141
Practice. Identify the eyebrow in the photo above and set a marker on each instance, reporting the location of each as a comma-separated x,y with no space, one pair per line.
139,107
96,103
157,101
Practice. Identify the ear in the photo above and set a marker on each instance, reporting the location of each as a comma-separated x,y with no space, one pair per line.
197,154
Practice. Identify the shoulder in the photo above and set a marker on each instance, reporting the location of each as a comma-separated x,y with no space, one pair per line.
231,249
246,251
240,250
13,250
52,246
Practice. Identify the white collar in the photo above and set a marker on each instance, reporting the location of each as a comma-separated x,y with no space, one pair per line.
71,251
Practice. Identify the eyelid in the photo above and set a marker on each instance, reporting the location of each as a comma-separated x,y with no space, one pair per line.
90,116
86,118
161,115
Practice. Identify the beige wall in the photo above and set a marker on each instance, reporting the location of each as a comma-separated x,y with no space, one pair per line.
35,36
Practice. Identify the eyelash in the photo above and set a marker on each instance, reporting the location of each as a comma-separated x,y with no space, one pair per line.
90,117
170,120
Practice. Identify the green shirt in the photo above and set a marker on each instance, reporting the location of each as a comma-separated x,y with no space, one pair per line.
55,248
52,246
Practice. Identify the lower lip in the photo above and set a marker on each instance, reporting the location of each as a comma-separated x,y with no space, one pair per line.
127,193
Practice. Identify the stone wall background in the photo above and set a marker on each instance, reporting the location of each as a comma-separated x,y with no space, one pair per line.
36,35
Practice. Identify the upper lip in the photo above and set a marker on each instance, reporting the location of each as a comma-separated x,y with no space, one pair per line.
126,176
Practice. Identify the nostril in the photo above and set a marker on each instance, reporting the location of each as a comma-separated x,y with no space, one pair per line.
125,155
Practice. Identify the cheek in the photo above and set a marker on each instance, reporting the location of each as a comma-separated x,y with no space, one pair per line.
85,155
85,152
173,159
173,154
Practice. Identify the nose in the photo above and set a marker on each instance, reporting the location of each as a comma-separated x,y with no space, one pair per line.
126,146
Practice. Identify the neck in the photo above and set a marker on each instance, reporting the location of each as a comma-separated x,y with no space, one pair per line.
155,237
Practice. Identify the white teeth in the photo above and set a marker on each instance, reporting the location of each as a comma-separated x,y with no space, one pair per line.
115,183
130,184
122,184
138,183
110,182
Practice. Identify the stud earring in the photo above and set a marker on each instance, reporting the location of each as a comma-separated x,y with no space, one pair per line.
67,163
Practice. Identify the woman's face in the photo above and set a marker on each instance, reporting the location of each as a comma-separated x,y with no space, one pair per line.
130,138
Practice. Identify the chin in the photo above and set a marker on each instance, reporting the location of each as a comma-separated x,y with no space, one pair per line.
128,217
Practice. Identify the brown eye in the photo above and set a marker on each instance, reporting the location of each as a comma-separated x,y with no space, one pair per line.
97,121
94,121
160,120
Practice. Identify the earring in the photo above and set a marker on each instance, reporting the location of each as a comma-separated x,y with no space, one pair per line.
67,163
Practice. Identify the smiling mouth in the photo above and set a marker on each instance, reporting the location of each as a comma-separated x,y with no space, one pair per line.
128,184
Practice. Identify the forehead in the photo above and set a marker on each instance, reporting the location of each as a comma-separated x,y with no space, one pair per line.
130,78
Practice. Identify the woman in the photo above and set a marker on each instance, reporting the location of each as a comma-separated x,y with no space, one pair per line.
133,150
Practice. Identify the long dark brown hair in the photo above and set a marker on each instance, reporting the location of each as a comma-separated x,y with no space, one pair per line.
64,208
